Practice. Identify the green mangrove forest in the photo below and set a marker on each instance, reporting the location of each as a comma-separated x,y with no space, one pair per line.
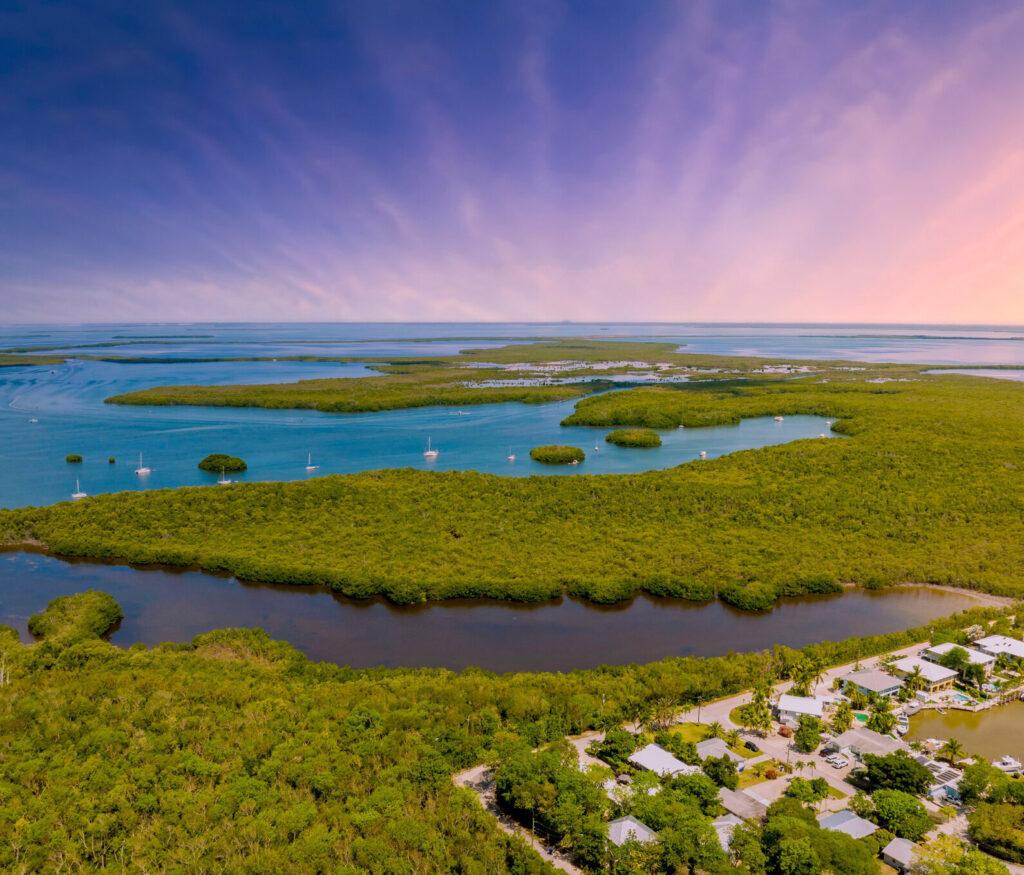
558,454
928,487
234,753
217,462
634,437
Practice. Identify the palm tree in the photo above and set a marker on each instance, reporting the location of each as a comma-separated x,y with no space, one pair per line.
952,751
715,730
914,681
732,738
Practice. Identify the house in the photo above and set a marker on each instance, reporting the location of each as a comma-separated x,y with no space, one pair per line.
743,805
846,821
791,708
936,677
900,854
974,657
724,827
996,644
654,758
717,748
859,741
870,681
629,829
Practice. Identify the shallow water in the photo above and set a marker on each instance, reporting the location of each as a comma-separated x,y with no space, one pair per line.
164,605
994,373
989,734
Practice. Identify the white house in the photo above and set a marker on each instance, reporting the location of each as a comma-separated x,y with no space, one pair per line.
791,708
859,741
846,821
629,829
900,854
654,758
936,677
873,681
974,657
996,644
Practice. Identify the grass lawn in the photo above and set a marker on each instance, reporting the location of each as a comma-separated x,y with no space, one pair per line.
698,732
757,773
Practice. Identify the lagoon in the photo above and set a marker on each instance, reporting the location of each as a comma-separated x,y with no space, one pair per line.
990,733
171,605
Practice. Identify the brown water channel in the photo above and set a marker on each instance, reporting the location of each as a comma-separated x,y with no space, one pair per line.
166,605
989,734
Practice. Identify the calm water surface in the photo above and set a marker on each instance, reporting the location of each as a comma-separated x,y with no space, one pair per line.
990,734
162,605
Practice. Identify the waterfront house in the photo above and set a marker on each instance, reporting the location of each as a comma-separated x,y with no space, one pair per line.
858,741
717,748
654,758
724,827
846,821
901,854
742,804
936,677
974,657
869,681
791,708
996,644
629,829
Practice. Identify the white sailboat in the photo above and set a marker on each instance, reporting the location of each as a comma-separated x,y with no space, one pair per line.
511,456
430,453
703,454
142,470
309,463
77,494
223,481
778,419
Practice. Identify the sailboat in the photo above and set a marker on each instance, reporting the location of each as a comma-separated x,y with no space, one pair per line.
142,470
511,456
778,419
77,494
429,453
703,454
223,481
309,463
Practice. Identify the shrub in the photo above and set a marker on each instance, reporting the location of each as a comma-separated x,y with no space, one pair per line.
634,437
218,462
72,458
111,460
557,454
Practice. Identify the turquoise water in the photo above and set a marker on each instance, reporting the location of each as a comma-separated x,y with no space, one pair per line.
67,400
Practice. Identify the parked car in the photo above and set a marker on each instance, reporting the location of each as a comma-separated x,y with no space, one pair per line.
749,745
840,763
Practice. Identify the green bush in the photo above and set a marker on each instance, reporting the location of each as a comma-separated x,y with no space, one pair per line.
218,462
634,437
111,460
72,458
557,454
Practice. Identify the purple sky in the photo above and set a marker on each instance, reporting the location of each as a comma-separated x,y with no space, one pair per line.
521,160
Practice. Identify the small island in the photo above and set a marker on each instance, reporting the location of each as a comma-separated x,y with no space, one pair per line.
73,458
634,437
557,454
217,462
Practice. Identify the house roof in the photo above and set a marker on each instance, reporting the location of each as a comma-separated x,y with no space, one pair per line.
996,644
716,747
864,740
741,804
724,827
811,705
628,828
975,656
656,759
847,822
930,671
873,680
903,851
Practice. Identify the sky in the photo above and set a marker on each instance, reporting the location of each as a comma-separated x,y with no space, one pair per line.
523,160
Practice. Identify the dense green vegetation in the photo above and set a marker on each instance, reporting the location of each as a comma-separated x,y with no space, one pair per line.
8,360
218,462
73,458
996,822
634,437
73,618
557,454
234,753
929,486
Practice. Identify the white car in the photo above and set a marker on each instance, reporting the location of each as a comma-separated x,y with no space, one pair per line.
840,763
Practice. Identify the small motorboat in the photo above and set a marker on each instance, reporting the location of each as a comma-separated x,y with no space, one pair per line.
703,454
33,420
778,419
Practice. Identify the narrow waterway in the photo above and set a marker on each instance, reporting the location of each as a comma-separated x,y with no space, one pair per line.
166,605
